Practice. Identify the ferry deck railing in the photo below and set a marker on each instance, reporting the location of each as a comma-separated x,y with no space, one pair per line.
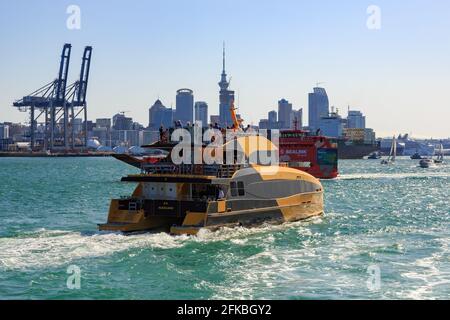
214,170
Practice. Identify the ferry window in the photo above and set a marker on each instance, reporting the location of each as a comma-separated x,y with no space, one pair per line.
233,189
241,190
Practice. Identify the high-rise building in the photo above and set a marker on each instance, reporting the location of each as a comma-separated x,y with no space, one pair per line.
159,115
201,112
284,114
297,119
103,123
213,119
226,97
185,106
332,125
356,120
4,131
264,124
121,122
77,124
318,108
272,117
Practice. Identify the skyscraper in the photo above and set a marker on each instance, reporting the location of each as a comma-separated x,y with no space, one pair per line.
226,97
284,113
4,131
318,107
121,122
185,106
201,112
356,120
272,117
103,123
332,125
297,118
159,115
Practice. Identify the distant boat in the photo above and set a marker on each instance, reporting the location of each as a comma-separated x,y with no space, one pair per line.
416,156
440,157
392,154
374,156
427,163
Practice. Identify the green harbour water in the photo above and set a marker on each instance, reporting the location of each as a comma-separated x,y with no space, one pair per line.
393,219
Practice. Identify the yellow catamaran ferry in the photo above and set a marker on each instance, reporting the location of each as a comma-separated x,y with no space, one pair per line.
182,199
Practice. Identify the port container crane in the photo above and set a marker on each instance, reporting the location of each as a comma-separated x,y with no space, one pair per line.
55,100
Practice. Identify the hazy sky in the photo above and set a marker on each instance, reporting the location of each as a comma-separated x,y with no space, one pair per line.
399,75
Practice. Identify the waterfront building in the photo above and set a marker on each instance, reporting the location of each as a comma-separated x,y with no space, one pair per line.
4,131
137,126
148,136
184,106
360,135
77,125
284,114
297,118
226,96
159,115
17,131
121,122
201,112
102,134
90,125
213,119
128,138
356,120
332,125
264,124
103,123
273,117
318,107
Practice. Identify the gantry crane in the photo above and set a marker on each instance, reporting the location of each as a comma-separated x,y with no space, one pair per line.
55,99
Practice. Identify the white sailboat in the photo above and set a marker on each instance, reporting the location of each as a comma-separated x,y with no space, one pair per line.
392,154
440,156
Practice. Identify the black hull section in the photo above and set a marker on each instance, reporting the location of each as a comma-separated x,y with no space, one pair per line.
358,151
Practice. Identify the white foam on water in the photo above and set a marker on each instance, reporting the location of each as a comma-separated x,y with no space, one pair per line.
52,248
429,274
384,175
43,248
240,235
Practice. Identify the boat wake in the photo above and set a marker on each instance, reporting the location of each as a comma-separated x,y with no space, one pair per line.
51,248
46,248
383,175
428,274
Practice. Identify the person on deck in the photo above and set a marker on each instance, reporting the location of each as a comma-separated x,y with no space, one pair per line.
221,194
161,133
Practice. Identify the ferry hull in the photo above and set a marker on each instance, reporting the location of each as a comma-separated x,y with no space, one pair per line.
285,210
296,208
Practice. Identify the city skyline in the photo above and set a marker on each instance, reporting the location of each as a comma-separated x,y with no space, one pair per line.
396,75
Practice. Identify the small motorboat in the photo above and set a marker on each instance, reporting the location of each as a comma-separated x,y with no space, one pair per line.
427,163
374,156
416,156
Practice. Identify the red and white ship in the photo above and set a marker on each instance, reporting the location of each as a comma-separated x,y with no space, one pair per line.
314,154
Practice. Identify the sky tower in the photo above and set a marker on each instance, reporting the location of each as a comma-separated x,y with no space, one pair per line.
225,96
